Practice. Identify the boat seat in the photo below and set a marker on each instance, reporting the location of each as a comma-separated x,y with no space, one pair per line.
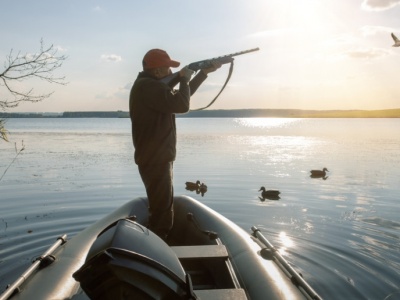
221,294
202,251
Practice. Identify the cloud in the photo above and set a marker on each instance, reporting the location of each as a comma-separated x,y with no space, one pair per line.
341,40
60,48
111,57
121,92
128,86
372,30
379,5
366,54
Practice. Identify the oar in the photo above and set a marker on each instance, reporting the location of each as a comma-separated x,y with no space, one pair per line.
295,277
36,264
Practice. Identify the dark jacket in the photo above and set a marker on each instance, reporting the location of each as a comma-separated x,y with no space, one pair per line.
152,109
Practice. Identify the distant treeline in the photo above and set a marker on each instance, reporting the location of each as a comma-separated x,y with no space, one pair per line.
95,114
68,114
293,113
233,113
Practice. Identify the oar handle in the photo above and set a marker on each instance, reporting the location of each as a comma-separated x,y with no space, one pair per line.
10,289
296,277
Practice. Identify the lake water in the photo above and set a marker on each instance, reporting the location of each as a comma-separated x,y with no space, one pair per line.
341,233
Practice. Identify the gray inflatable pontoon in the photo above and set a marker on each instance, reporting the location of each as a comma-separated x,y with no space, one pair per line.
207,257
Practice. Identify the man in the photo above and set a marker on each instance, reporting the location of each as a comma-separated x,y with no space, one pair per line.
152,107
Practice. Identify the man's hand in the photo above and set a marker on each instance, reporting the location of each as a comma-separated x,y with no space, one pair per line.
186,73
215,66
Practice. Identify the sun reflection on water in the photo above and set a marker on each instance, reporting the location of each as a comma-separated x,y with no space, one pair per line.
286,242
265,122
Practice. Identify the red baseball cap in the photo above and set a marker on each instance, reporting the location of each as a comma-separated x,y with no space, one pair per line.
156,58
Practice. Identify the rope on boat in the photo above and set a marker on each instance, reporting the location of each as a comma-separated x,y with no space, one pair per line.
37,263
296,278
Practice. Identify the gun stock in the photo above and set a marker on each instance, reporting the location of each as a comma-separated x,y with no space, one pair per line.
173,79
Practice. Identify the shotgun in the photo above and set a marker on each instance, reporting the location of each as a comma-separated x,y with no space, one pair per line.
173,79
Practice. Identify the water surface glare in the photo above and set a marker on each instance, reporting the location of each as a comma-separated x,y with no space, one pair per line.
340,232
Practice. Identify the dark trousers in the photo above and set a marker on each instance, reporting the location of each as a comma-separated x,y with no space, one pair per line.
158,181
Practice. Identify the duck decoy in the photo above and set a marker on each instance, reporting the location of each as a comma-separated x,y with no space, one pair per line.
192,186
319,173
202,189
269,194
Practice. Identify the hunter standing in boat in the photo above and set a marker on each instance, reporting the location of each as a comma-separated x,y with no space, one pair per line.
152,107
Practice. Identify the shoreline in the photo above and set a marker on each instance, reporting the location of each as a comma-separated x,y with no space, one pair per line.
233,113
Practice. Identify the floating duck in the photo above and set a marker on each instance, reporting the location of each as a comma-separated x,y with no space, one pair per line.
202,189
191,186
197,187
319,173
269,194
396,41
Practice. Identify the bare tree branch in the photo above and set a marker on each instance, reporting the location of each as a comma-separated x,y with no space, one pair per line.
18,152
29,66
3,131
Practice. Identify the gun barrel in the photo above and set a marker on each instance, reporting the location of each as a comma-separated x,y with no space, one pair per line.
203,64
236,53
244,52
173,79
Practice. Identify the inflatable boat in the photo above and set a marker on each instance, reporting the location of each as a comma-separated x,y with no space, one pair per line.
206,257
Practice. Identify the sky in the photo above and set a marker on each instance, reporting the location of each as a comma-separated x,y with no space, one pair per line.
314,54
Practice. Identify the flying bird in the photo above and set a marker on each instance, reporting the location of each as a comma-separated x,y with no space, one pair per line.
396,41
